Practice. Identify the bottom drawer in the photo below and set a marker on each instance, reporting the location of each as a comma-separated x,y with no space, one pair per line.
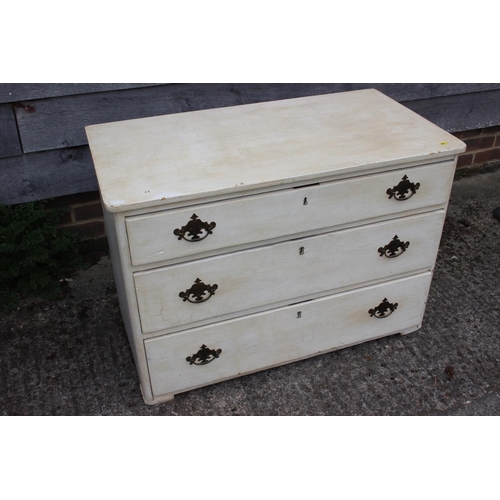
177,362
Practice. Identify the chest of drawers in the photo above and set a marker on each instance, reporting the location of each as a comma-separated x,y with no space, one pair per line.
247,237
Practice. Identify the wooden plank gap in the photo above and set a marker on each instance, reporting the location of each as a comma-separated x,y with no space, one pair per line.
49,174
10,144
15,92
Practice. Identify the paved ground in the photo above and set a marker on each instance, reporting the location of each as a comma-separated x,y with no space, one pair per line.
71,357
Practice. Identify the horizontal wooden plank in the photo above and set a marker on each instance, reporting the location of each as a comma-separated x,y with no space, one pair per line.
46,175
414,91
9,138
461,112
13,92
60,122
400,92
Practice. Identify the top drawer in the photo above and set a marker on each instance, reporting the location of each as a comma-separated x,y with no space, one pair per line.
185,232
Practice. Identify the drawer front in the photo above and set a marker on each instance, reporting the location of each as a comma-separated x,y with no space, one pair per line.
290,271
215,226
287,334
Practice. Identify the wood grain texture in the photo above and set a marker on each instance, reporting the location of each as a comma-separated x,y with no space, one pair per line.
9,138
12,92
461,112
56,123
46,175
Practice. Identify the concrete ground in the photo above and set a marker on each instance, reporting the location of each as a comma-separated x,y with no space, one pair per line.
71,357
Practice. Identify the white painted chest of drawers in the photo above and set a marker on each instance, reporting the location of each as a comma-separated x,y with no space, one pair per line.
247,237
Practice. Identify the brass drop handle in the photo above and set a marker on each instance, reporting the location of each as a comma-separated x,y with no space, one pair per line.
199,292
194,230
384,309
404,190
203,356
394,249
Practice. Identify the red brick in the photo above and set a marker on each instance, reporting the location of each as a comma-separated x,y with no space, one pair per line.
88,229
466,134
488,155
491,130
479,143
497,141
66,218
464,160
73,199
85,212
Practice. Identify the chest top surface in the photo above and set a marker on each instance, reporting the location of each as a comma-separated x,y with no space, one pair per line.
181,157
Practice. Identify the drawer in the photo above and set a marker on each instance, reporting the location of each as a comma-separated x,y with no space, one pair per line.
166,235
283,335
280,273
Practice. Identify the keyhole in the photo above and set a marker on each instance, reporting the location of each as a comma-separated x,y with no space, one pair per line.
301,251
305,201
299,314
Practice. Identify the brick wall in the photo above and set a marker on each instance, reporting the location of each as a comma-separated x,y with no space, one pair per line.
86,219
483,150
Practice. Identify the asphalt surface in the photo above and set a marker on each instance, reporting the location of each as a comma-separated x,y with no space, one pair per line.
71,356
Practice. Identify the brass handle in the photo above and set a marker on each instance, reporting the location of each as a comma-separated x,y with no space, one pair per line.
199,292
404,190
384,309
194,230
394,249
203,356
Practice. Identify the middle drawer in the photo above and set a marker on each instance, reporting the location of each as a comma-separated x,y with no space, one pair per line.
195,293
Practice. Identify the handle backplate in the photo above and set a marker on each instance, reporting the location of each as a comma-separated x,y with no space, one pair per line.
194,230
384,309
203,356
199,292
394,249
404,190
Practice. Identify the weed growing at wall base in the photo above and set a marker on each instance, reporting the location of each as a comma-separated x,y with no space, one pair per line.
34,253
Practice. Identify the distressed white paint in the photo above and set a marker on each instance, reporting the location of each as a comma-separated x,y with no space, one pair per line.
269,275
276,337
187,156
238,167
